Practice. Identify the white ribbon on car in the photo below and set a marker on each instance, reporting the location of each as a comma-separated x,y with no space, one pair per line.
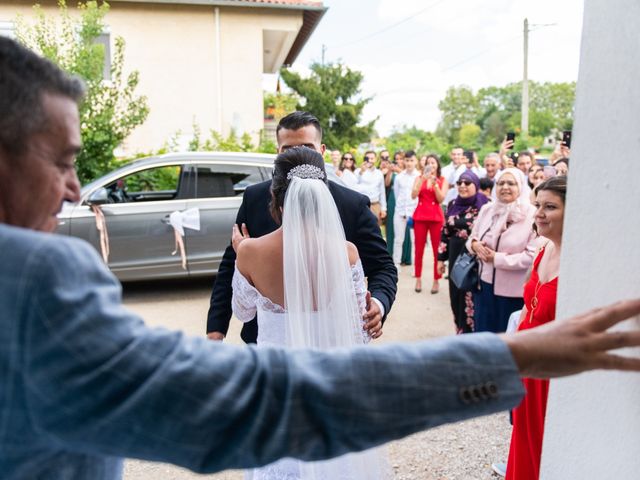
101,226
189,218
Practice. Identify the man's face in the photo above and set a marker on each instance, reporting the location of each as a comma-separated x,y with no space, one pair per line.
335,157
491,166
410,163
370,160
457,156
306,136
524,163
34,185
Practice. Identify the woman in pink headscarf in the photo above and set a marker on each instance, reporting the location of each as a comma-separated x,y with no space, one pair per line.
504,242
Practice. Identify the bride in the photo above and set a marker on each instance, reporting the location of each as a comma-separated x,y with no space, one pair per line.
306,284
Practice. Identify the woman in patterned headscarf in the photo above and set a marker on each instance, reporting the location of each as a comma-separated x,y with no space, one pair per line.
461,213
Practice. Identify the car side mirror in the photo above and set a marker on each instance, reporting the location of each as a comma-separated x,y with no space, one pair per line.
98,197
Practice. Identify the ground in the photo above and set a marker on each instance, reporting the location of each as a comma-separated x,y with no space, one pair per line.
462,451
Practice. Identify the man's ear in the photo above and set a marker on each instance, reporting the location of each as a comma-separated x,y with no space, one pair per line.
323,148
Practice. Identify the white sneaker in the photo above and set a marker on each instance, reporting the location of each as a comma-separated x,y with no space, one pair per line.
500,468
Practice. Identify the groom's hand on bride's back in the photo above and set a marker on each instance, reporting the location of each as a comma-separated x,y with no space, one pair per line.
238,236
373,318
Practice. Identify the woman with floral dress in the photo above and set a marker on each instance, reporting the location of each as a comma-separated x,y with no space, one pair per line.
461,213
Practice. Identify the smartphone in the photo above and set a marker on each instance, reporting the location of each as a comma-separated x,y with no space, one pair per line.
427,170
548,171
511,136
566,138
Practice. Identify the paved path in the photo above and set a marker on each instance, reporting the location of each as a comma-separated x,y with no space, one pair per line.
461,451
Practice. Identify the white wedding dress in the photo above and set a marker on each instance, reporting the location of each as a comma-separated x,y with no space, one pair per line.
247,302
325,299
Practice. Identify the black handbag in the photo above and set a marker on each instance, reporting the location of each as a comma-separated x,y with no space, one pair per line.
465,272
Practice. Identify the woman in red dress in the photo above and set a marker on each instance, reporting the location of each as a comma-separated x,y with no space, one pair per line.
430,188
540,307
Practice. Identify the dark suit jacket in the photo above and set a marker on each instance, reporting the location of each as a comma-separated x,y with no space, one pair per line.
360,228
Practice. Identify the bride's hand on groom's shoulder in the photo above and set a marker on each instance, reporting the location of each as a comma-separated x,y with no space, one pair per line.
373,318
238,236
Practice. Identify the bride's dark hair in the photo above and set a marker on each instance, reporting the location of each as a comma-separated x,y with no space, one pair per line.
284,162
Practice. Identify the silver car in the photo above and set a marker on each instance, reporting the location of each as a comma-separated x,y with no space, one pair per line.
138,199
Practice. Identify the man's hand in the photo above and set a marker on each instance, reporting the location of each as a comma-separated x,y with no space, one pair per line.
373,318
505,146
567,347
383,214
237,236
441,267
215,336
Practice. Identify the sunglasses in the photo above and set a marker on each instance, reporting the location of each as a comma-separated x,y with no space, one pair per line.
464,182
347,158
384,158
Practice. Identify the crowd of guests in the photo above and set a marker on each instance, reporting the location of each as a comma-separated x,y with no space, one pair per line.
507,212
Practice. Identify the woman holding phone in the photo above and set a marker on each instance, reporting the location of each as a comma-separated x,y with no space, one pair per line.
429,188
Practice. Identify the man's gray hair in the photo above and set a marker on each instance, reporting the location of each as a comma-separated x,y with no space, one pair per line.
493,155
24,78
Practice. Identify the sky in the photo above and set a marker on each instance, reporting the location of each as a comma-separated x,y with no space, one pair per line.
411,51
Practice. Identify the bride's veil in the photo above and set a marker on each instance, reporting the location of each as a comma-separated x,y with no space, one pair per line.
320,298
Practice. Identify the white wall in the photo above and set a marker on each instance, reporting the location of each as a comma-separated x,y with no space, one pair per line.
593,420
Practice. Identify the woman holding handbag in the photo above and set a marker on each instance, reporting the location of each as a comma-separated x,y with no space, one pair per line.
461,213
504,242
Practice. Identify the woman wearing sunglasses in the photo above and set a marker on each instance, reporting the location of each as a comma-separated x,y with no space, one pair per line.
461,213
346,170
504,242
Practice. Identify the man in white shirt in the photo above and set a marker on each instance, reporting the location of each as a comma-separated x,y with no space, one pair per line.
469,162
491,165
449,172
371,183
405,205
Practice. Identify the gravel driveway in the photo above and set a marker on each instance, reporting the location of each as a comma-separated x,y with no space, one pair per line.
462,451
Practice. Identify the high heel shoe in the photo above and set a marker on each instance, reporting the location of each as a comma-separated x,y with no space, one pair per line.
435,288
418,288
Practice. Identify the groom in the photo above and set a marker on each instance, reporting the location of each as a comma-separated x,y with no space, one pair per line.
360,228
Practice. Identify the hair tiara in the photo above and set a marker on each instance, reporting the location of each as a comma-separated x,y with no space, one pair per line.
306,171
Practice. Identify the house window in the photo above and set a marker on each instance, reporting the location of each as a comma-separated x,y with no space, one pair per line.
7,29
105,39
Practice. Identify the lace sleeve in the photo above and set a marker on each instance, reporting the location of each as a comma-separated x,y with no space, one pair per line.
244,299
357,275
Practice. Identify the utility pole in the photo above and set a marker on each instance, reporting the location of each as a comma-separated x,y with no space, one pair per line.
324,49
524,123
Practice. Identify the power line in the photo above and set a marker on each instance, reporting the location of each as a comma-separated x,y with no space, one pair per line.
378,32
479,54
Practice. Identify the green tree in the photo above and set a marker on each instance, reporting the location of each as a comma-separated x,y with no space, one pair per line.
458,107
469,136
413,138
497,110
332,93
277,105
111,109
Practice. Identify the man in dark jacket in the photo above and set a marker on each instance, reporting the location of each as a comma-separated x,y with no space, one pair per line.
361,228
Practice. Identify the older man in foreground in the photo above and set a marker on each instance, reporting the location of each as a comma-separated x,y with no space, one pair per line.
85,382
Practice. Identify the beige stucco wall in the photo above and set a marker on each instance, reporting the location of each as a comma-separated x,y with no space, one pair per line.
174,49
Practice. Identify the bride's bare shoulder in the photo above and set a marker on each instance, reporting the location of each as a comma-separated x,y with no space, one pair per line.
352,252
253,251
